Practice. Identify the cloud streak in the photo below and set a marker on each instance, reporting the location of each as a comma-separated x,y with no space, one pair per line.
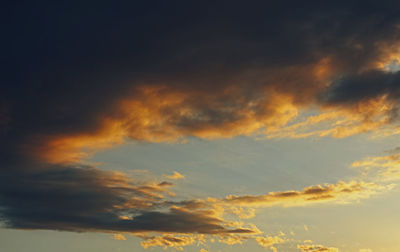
341,192
316,248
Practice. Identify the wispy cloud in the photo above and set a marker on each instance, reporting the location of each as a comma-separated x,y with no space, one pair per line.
175,175
383,168
119,237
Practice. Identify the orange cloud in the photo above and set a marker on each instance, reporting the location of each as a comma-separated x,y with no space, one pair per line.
342,192
270,241
243,207
161,114
243,213
178,241
119,237
171,241
175,175
316,248
372,115
73,148
274,105
165,112
386,168
231,239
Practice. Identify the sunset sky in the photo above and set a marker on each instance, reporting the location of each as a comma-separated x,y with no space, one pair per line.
200,126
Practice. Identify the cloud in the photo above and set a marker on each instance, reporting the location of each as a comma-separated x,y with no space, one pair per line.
340,122
171,241
119,237
244,206
178,241
350,90
85,95
270,241
315,248
372,105
243,213
83,198
175,175
342,192
163,72
233,239
88,199
382,168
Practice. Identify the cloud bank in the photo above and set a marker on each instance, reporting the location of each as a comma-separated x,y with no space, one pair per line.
167,71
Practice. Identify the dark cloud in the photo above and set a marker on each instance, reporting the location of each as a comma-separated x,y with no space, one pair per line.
69,64
352,89
77,75
355,90
88,199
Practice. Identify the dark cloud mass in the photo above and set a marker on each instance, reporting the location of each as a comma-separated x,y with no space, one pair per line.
88,199
89,74
354,89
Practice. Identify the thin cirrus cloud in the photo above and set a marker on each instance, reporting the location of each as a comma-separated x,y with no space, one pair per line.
165,72
384,168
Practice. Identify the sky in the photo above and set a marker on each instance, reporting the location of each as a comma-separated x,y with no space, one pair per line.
200,126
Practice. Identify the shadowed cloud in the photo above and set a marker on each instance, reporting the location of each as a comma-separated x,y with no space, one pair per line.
88,199
166,71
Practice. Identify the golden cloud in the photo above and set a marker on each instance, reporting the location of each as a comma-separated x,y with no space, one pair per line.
316,248
386,168
270,241
161,114
171,241
119,237
175,175
342,192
